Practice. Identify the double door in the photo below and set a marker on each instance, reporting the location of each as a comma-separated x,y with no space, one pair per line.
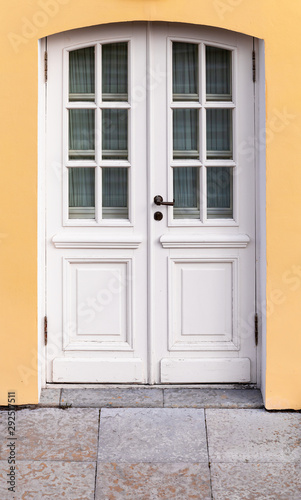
150,216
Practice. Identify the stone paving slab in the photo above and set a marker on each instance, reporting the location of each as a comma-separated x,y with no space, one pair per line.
116,481
152,435
53,434
253,435
113,397
262,481
212,398
50,397
55,480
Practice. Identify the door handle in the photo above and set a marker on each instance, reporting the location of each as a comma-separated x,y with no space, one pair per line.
158,200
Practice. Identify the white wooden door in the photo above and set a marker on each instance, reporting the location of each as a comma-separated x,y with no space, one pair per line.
130,298
96,206
203,249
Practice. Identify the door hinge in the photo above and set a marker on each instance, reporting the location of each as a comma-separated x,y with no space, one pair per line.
45,330
256,328
46,66
254,65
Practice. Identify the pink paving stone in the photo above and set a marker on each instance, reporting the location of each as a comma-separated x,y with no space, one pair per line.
50,480
53,434
116,481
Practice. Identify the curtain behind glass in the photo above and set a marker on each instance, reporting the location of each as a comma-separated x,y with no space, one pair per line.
115,134
81,193
219,133
82,75
219,192
115,193
81,134
185,71
218,74
186,192
115,72
185,133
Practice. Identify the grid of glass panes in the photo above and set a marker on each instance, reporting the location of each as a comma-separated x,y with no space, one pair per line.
98,119
202,166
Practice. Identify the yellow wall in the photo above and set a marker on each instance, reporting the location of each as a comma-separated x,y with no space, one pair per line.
22,24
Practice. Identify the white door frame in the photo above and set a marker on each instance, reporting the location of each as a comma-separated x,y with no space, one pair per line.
260,216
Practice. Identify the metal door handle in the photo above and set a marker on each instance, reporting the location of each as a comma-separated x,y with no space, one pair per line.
158,200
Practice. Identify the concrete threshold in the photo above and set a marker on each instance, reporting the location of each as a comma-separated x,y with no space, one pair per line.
118,396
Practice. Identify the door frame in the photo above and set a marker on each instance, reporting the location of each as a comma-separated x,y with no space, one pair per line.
260,197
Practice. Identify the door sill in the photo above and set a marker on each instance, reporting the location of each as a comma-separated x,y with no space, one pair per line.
202,396
51,385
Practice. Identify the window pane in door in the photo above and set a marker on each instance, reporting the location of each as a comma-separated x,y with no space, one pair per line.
218,74
115,193
185,71
185,133
81,193
115,72
114,134
81,134
219,133
186,193
82,74
219,193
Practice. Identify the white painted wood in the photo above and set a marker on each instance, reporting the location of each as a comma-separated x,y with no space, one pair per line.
41,216
186,312
98,370
98,304
77,240
261,258
204,241
210,370
96,270
226,330
203,304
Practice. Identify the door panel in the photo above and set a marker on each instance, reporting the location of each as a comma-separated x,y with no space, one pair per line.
138,110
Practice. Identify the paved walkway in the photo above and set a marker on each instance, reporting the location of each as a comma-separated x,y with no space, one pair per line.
106,446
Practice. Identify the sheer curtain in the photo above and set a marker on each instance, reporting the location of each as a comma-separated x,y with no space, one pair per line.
219,192
218,74
81,193
115,193
186,192
219,133
185,71
82,74
114,131
114,134
185,133
185,130
81,134
115,72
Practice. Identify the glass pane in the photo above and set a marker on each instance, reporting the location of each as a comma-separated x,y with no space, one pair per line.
81,193
115,72
82,75
185,133
218,74
114,134
185,71
81,134
219,133
115,193
186,193
219,193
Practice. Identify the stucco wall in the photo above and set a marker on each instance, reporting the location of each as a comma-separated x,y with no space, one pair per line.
22,24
